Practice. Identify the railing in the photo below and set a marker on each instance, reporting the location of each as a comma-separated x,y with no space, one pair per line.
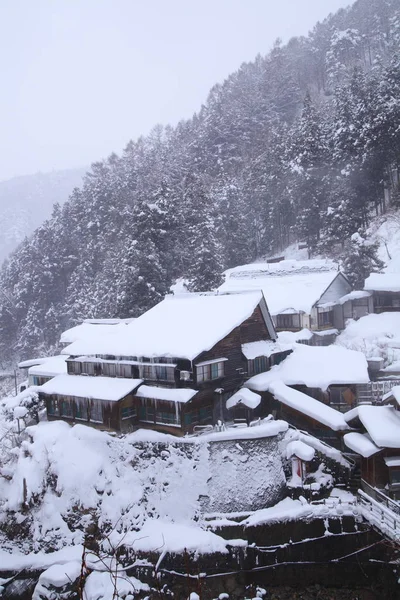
380,497
380,516
374,391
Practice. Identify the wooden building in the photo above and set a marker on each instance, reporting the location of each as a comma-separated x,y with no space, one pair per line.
184,358
376,441
301,295
100,402
385,289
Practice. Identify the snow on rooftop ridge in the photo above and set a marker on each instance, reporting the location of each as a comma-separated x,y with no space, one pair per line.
298,290
315,367
360,443
83,386
383,282
87,331
331,418
180,326
282,268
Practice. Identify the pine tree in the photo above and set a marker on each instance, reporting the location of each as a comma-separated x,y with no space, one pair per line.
360,259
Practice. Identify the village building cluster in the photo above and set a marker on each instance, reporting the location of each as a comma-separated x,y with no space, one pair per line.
262,345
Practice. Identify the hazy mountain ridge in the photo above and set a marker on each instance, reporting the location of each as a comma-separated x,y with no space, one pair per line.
297,145
26,202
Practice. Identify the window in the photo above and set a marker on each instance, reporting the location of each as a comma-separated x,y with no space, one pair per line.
325,317
66,409
96,412
161,373
146,412
52,407
74,367
383,300
394,476
210,371
35,380
89,368
285,322
360,302
163,416
81,411
260,364
127,412
147,372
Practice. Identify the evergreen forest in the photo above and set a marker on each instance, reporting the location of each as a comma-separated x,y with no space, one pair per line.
300,145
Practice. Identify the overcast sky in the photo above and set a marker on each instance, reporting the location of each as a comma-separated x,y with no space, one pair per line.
79,78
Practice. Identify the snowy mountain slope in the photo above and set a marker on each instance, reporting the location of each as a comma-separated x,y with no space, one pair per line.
25,202
386,231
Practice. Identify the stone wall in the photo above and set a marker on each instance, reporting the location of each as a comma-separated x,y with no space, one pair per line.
245,475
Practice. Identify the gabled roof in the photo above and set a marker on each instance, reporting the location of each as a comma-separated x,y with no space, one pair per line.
54,365
383,282
179,326
382,424
287,285
92,328
83,386
315,367
314,409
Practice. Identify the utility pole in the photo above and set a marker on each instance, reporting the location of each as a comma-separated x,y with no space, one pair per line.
15,382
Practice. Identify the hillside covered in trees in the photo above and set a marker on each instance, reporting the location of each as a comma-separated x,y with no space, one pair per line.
297,145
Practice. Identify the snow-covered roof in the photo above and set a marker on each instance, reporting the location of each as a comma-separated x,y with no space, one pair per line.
392,461
179,326
291,337
394,393
315,367
383,282
382,424
25,364
181,395
89,330
300,449
372,334
308,406
54,365
289,284
252,350
83,386
244,396
354,295
360,443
